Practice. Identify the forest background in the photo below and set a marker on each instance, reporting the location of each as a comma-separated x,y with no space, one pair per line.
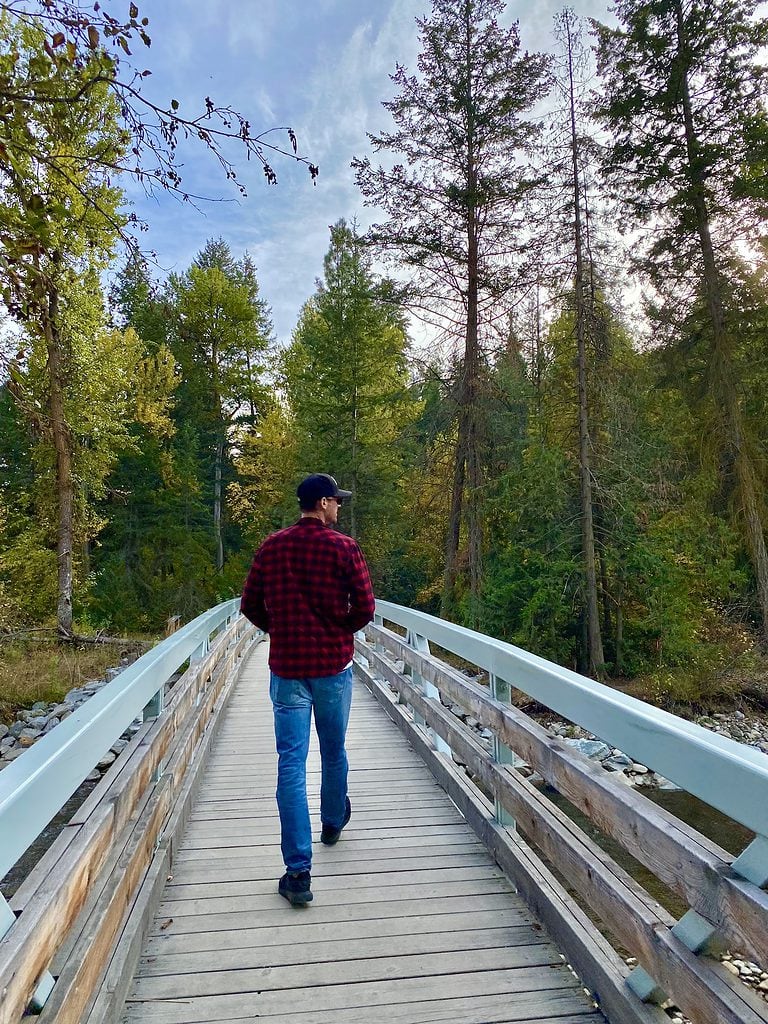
571,455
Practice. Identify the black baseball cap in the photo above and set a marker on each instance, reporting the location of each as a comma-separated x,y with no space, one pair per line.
319,485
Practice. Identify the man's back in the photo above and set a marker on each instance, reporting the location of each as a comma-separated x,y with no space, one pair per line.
309,589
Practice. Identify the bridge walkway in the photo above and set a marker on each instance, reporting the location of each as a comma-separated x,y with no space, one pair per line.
412,920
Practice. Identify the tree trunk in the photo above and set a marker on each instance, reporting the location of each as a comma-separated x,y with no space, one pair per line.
595,658
62,442
355,425
352,512
722,363
217,504
538,372
453,532
467,464
605,594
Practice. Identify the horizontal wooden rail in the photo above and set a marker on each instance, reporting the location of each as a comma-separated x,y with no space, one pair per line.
698,985
71,907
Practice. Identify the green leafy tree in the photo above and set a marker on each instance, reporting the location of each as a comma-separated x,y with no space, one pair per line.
59,223
262,497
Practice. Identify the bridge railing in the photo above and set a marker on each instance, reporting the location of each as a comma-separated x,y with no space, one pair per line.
68,931
727,901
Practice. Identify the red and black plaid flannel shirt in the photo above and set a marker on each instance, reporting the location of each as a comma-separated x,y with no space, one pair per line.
309,588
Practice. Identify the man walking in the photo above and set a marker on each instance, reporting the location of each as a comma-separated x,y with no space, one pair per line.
309,588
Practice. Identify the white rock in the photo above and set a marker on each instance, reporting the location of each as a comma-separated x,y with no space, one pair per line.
625,780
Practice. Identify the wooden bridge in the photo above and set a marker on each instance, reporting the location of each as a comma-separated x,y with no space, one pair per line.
459,892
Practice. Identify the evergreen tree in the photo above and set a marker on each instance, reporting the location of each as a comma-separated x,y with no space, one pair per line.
221,330
455,198
685,108
346,382
587,322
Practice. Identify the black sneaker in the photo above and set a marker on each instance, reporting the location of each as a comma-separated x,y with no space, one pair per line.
294,886
330,835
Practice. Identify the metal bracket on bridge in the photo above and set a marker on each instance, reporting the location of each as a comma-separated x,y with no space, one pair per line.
694,931
199,652
752,863
378,620
155,707
501,690
430,691
45,987
153,710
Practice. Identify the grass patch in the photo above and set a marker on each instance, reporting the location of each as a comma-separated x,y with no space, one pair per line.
31,672
722,672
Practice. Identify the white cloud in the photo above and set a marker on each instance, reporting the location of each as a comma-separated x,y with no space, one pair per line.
322,68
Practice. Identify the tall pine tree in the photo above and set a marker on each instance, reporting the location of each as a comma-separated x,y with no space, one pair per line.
454,197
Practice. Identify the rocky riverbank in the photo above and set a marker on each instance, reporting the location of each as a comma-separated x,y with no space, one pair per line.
750,729
33,723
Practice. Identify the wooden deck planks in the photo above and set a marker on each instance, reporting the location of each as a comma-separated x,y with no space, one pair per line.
412,920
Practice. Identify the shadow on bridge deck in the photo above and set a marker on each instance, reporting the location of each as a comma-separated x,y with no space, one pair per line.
412,920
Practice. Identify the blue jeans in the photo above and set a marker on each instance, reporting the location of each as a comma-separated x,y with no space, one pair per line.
292,702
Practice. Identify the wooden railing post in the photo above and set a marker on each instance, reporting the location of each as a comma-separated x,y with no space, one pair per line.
501,690
421,644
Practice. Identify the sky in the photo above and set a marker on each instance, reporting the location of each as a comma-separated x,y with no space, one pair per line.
318,66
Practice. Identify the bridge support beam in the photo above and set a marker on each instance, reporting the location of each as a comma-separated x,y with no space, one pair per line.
44,989
696,932
501,690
